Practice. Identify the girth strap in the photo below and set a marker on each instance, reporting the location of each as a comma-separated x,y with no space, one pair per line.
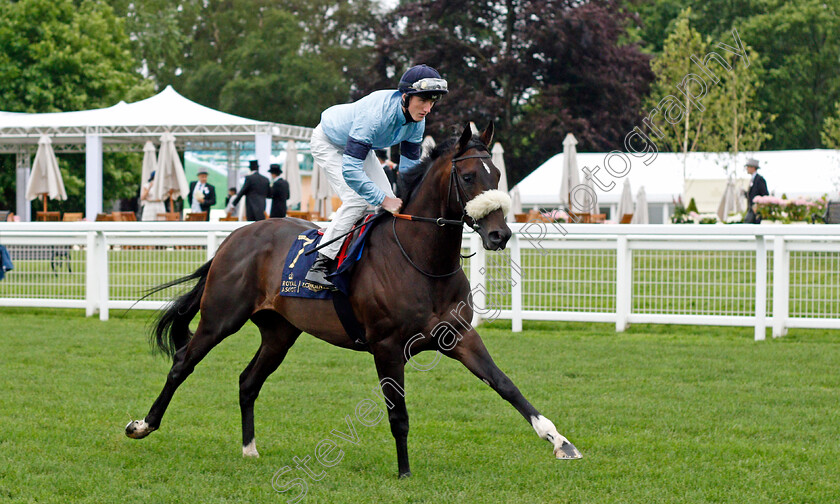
352,327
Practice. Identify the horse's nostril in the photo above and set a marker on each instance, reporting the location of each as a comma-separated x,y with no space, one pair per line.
495,236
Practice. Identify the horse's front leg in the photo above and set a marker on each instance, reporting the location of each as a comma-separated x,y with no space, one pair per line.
472,353
390,365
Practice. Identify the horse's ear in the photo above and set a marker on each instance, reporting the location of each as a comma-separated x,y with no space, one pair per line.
487,135
465,138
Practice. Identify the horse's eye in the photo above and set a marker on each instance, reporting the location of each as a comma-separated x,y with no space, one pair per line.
468,178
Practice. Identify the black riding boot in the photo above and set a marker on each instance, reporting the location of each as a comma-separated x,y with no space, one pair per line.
318,272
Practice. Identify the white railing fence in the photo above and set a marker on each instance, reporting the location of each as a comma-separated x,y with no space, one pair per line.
763,276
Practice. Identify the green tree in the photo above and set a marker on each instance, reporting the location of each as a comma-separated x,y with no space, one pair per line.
800,50
734,122
697,113
538,68
61,55
281,61
680,121
831,129
159,35
272,80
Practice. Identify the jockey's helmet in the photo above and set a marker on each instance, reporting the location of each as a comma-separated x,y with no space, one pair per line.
423,80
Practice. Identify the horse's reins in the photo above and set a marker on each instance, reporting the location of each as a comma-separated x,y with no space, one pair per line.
440,221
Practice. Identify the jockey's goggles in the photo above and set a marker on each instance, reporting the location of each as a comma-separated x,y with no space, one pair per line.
430,85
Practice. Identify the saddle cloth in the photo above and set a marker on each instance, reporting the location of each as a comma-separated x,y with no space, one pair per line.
297,262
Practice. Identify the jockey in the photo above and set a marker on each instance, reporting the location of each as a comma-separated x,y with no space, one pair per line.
344,144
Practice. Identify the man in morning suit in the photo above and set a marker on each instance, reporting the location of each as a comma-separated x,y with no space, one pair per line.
202,195
256,189
279,192
758,187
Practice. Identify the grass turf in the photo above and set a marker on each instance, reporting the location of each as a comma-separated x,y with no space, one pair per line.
661,413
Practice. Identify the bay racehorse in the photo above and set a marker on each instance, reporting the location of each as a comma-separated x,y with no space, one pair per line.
407,283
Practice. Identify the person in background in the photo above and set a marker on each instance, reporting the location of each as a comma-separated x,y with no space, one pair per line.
758,187
279,192
150,208
256,188
202,195
231,194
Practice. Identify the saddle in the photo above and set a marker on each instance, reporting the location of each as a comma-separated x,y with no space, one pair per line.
298,262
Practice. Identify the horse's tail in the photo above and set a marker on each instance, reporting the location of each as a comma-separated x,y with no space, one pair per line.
171,329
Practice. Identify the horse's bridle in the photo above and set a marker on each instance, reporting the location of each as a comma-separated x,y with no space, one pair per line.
440,221
459,191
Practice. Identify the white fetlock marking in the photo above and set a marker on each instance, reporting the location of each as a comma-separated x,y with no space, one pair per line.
140,426
250,450
546,430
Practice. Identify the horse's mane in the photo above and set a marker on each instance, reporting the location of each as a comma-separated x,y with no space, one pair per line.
409,182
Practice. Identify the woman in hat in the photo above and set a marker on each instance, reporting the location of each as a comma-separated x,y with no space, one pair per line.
150,208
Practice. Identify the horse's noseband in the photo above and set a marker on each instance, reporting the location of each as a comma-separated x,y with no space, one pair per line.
459,191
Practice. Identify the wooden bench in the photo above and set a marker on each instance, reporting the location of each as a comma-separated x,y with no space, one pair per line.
124,217
72,217
197,216
48,216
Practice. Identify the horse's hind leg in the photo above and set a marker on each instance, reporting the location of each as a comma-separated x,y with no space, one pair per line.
472,353
278,335
210,332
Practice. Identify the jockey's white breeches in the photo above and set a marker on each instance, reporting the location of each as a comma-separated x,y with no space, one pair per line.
329,157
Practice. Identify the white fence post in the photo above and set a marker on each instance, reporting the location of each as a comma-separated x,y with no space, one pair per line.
760,287
91,278
781,286
212,244
516,288
102,265
478,284
622,283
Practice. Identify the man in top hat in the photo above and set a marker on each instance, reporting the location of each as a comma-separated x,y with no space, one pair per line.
279,192
202,196
256,189
758,187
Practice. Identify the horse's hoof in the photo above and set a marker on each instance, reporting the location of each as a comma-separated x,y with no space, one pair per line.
137,429
567,451
405,475
250,450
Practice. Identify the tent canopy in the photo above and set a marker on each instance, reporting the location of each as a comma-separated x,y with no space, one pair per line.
126,127
137,122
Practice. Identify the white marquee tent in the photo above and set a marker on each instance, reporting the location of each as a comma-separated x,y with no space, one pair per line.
126,127
808,173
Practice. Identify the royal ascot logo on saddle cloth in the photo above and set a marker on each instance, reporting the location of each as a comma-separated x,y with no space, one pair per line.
298,263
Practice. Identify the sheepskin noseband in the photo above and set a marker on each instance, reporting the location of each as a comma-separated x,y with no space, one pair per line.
486,202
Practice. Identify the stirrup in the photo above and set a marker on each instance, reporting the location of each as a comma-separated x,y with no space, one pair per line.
318,272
